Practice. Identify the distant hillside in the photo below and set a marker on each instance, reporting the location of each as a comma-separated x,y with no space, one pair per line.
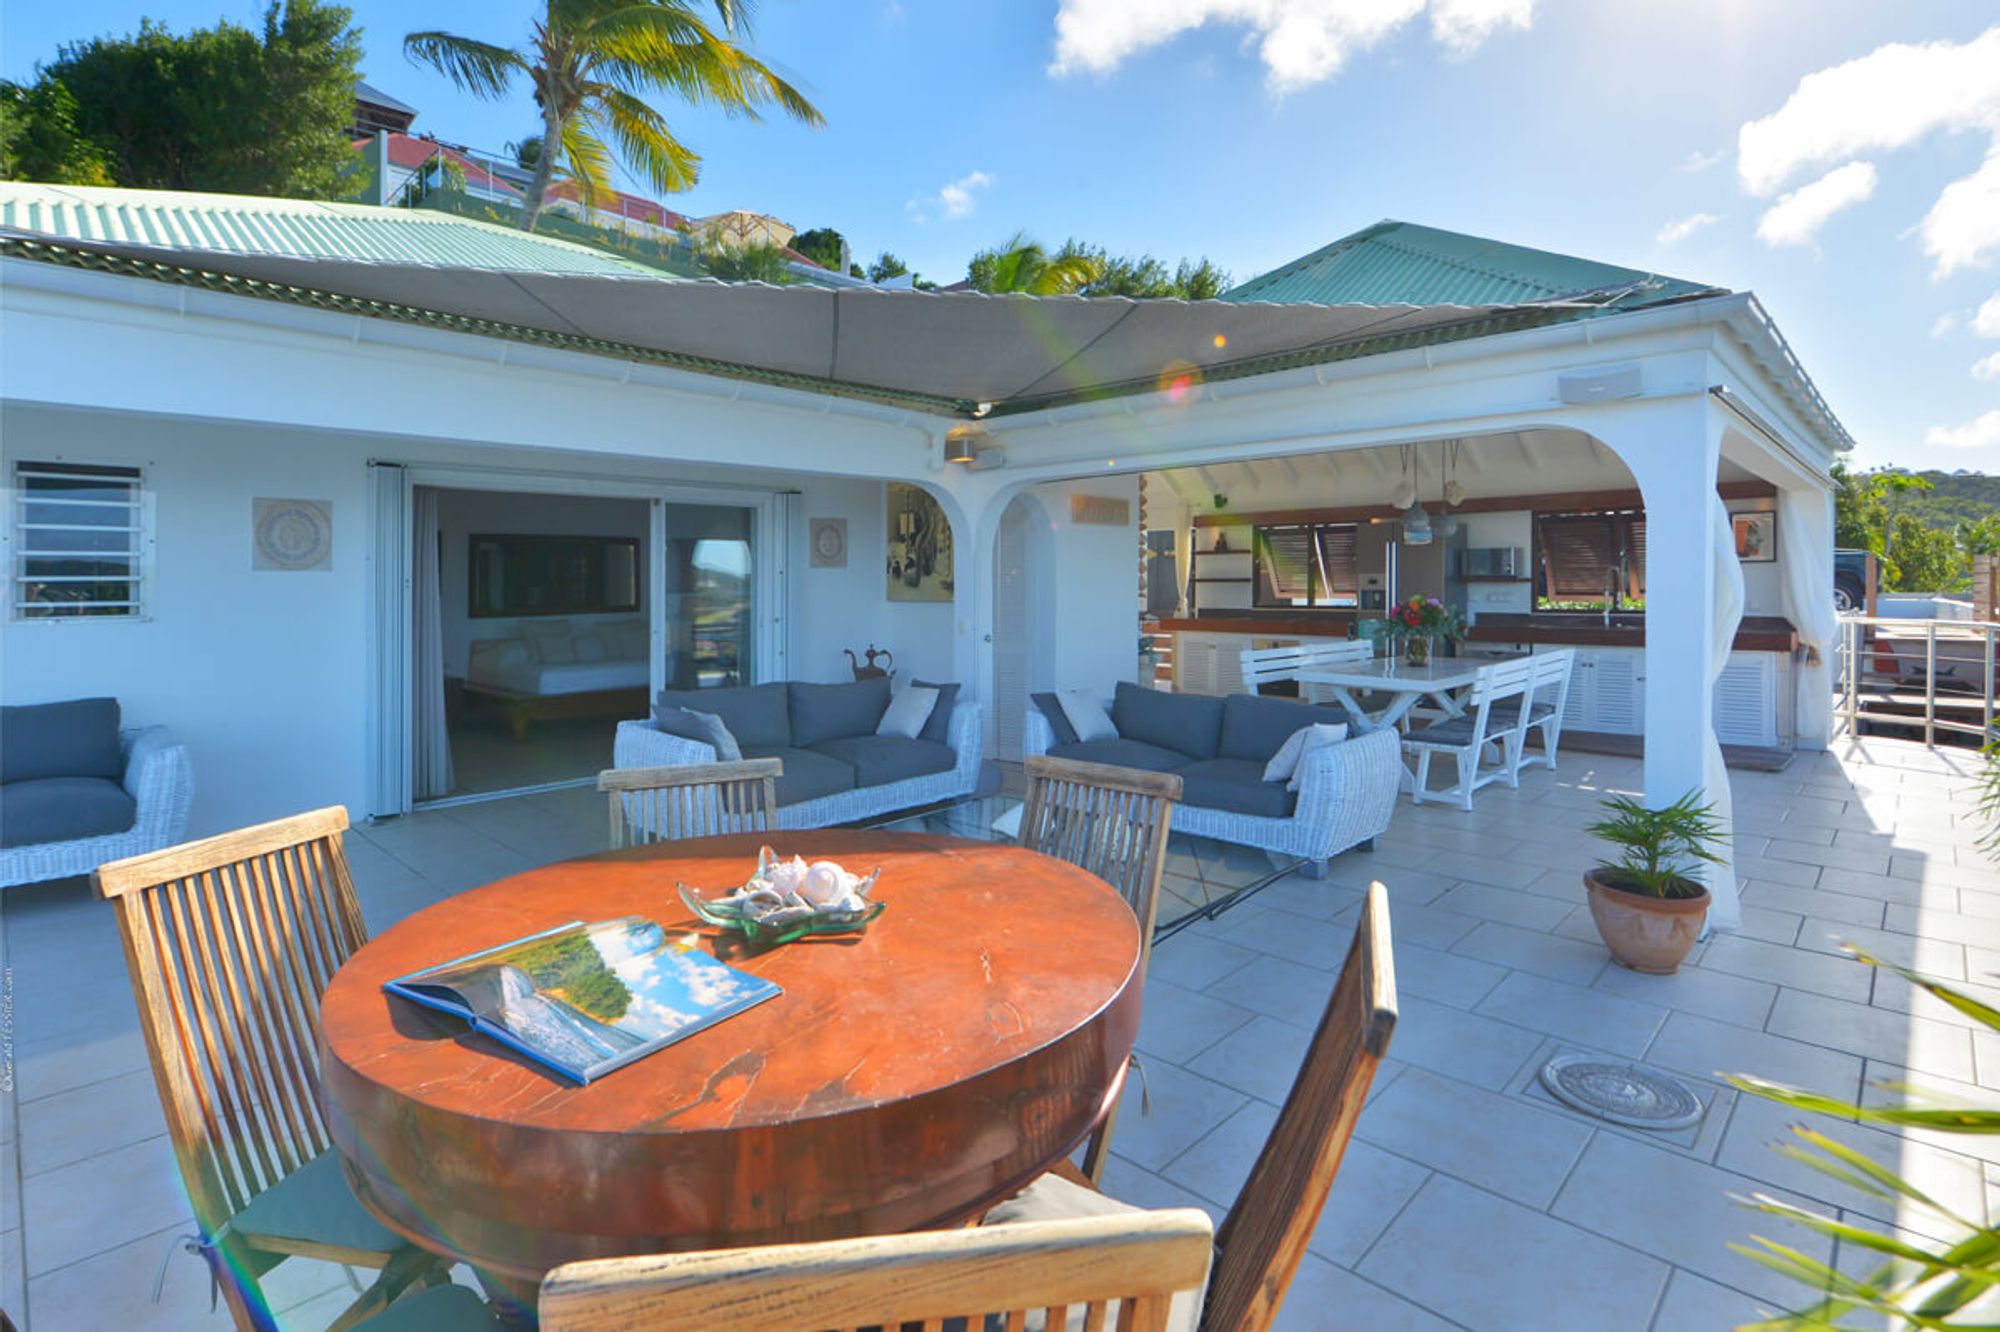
1957,499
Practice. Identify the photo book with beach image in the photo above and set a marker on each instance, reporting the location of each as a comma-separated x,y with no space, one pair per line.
584,999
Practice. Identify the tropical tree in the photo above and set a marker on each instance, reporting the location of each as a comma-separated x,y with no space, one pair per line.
886,266
590,62
822,245
1022,265
758,261
1147,278
1981,537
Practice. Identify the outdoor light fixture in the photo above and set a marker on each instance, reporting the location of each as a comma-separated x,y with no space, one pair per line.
962,443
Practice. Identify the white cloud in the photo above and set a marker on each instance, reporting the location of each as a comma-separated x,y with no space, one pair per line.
1887,99
953,201
1944,324
1797,217
1962,230
1300,42
1681,228
1702,161
1987,367
1986,323
1975,434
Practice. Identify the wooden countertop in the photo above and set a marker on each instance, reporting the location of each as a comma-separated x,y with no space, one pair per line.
1757,633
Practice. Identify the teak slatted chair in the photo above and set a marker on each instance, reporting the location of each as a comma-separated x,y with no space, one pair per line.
695,800
230,941
1262,1240
932,1278
1111,822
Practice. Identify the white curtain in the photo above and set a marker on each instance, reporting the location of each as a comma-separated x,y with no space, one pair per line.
432,775
1724,912
1808,602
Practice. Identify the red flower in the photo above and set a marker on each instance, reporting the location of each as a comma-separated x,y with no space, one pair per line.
1410,617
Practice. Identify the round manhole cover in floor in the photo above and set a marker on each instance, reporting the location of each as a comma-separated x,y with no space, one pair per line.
1629,1094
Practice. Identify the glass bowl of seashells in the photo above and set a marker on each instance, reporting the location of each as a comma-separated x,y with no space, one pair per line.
790,899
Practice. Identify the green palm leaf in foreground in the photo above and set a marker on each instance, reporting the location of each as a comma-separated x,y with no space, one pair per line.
1918,1282
590,64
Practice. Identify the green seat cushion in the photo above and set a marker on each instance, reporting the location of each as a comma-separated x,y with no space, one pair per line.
438,1309
314,1205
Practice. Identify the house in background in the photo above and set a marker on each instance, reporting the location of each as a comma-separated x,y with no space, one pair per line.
291,393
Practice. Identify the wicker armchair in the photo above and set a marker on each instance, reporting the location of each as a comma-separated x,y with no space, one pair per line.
159,779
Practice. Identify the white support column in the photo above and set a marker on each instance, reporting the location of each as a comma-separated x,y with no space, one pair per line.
1805,545
1673,450
974,501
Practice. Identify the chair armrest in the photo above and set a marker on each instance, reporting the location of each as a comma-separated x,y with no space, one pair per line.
1037,736
1348,791
640,744
967,743
160,780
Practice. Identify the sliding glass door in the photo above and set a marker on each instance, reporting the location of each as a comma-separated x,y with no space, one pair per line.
708,581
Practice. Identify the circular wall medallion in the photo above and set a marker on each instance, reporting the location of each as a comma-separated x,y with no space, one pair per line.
829,543
1629,1094
293,534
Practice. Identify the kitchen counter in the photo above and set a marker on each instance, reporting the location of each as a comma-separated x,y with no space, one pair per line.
1757,633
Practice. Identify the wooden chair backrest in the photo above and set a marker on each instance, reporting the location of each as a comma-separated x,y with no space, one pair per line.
1264,665
696,800
231,940
1264,1236
1140,1259
1108,821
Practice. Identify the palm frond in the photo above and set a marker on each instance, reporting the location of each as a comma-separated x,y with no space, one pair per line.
478,67
1060,276
588,160
644,140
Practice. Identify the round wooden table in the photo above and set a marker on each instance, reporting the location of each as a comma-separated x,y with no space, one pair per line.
907,1078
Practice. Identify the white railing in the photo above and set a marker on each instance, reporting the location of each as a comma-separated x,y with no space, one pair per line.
1933,675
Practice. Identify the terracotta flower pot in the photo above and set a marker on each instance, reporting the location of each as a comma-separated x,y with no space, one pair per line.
1645,933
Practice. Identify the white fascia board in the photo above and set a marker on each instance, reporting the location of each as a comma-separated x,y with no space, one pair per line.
95,340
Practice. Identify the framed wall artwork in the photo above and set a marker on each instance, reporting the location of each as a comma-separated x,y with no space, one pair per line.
920,567
1756,537
829,543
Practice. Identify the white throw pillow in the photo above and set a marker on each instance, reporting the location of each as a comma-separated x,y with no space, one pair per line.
1087,716
1285,764
908,711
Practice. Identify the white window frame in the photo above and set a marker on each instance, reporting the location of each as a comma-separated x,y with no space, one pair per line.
21,547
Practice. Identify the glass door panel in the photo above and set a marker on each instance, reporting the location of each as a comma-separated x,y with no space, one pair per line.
708,581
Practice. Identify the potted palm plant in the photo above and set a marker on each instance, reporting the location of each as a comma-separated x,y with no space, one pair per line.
1647,906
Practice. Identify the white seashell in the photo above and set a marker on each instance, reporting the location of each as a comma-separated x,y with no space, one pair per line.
826,884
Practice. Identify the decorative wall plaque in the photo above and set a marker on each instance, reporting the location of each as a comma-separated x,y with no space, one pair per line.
829,543
1100,510
291,535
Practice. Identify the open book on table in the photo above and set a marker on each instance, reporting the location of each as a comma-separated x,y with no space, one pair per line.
585,999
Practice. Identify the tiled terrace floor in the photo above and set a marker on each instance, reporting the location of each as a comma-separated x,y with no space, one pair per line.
1468,1200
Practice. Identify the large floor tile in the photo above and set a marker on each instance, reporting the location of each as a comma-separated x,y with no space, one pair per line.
1449,978
1372,1187
1707,1048
1463,1045
1574,960
1177,1024
1174,1111
1509,906
1590,1017
1697,990
1261,1058
83,1121
1216,1165
1279,989
1325,1298
1943,1048
1696,1304
1839,977
99,1203
1500,1143
1484,1262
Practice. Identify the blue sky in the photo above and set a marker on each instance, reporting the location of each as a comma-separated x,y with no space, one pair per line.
1278,125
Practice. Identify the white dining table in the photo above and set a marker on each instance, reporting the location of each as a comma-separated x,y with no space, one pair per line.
1438,680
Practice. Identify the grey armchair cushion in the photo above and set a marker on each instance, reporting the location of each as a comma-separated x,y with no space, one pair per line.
830,711
62,809
1236,785
1188,723
77,738
754,714
808,774
313,1203
706,727
1123,752
878,760
1257,728
937,727
1051,707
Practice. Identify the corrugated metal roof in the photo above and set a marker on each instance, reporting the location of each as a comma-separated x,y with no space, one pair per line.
1397,262
294,228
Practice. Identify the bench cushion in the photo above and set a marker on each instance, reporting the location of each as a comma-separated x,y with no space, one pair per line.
1236,785
830,711
878,760
1188,723
77,738
754,714
808,773
62,809
1123,752
1257,728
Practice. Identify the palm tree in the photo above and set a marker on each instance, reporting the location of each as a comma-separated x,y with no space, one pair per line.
589,61
1022,265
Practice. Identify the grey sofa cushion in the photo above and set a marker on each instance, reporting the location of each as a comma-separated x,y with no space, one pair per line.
830,711
62,809
1051,707
878,760
1188,723
937,727
705,727
754,714
1236,785
1256,728
1124,752
808,774
77,738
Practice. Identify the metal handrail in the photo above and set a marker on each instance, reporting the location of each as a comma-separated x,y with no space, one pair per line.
1857,644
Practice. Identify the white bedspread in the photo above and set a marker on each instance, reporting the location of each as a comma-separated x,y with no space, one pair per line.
515,675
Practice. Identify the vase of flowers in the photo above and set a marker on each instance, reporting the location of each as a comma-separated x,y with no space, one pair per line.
1419,622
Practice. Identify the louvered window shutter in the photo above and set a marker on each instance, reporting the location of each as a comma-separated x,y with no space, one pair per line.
1284,564
1339,572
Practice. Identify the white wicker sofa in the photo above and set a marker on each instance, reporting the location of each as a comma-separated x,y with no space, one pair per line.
1346,795
156,776
813,765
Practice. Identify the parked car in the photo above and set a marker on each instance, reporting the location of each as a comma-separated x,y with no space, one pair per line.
1850,581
